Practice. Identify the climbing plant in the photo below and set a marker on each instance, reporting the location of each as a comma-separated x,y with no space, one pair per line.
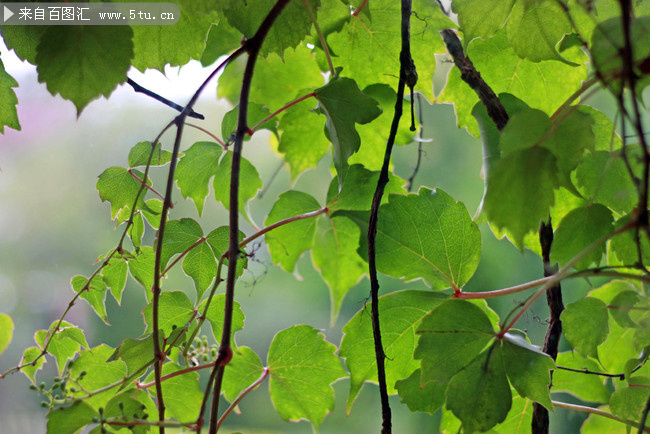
562,179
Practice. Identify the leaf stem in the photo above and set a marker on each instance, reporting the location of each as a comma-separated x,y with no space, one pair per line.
182,255
597,411
501,292
265,373
323,42
358,10
275,113
176,374
214,137
147,186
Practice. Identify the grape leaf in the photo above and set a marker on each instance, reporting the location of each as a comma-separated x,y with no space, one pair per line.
222,39
401,313
344,105
219,240
142,269
183,395
126,406
68,420
136,353
8,101
520,192
94,294
335,255
23,40
256,113
174,311
243,370
201,266
302,366
585,324
84,62
114,275
629,402
180,235
524,129
428,236
481,18
479,395
286,243
118,186
426,399
64,344
195,168
6,331
29,355
451,336
139,155
215,315
249,182
359,188
586,387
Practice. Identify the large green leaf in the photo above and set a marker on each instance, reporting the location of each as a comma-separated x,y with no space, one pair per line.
8,101
400,313
84,62
629,402
243,370
586,387
180,235
222,39
359,188
286,243
426,399
183,395
201,266
118,186
585,324
427,235
215,315
335,255
174,311
219,241
135,353
303,366
451,336
68,420
6,331
481,18
344,105
195,168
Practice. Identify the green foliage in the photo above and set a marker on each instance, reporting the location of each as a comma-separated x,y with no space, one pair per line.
557,161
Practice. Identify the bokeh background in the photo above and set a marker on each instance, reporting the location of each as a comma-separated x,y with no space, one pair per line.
53,226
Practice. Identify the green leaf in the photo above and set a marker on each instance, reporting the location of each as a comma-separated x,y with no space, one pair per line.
528,369
180,235
520,417
156,46
201,266
215,315
481,18
249,182
84,62
195,169
294,75
401,313
578,230
287,243
128,406
219,240
479,395
301,139
604,178
586,387
335,255
596,424
629,402
142,269
622,304
368,45
256,113
114,275
8,101
426,399
520,193
174,311
585,325
222,39
118,186
136,230
183,395
604,130
135,353
618,349
99,372
428,236
359,188
140,153
451,336
64,344
303,366
624,245
94,294
344,105
524,129
68,420
536,27
243,370
288,30
23,40
6,331
152,212
29,355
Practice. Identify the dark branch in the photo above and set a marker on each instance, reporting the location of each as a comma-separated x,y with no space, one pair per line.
136,87
588,372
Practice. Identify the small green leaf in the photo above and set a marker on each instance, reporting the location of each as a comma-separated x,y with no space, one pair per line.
585,324
479,395
64,344
219,239
84,62
136,230
426,399
215,315
287,243
249,182
68,420
621,305
174,311
94,293
6,331
359,188
303,366
127,406
586,387
528,369
139,155
481,18
520,193
344,104
142,269
201,266
183,395
118,186
195,169
401,313
629,402
451,336
243,370
180,235
135,353
618,349
114,275
8,100
335,255
256,113
578,230
29,355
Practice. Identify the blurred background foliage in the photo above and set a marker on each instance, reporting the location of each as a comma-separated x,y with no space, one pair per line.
53,226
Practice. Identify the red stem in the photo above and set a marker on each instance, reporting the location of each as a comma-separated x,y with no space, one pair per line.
277,112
